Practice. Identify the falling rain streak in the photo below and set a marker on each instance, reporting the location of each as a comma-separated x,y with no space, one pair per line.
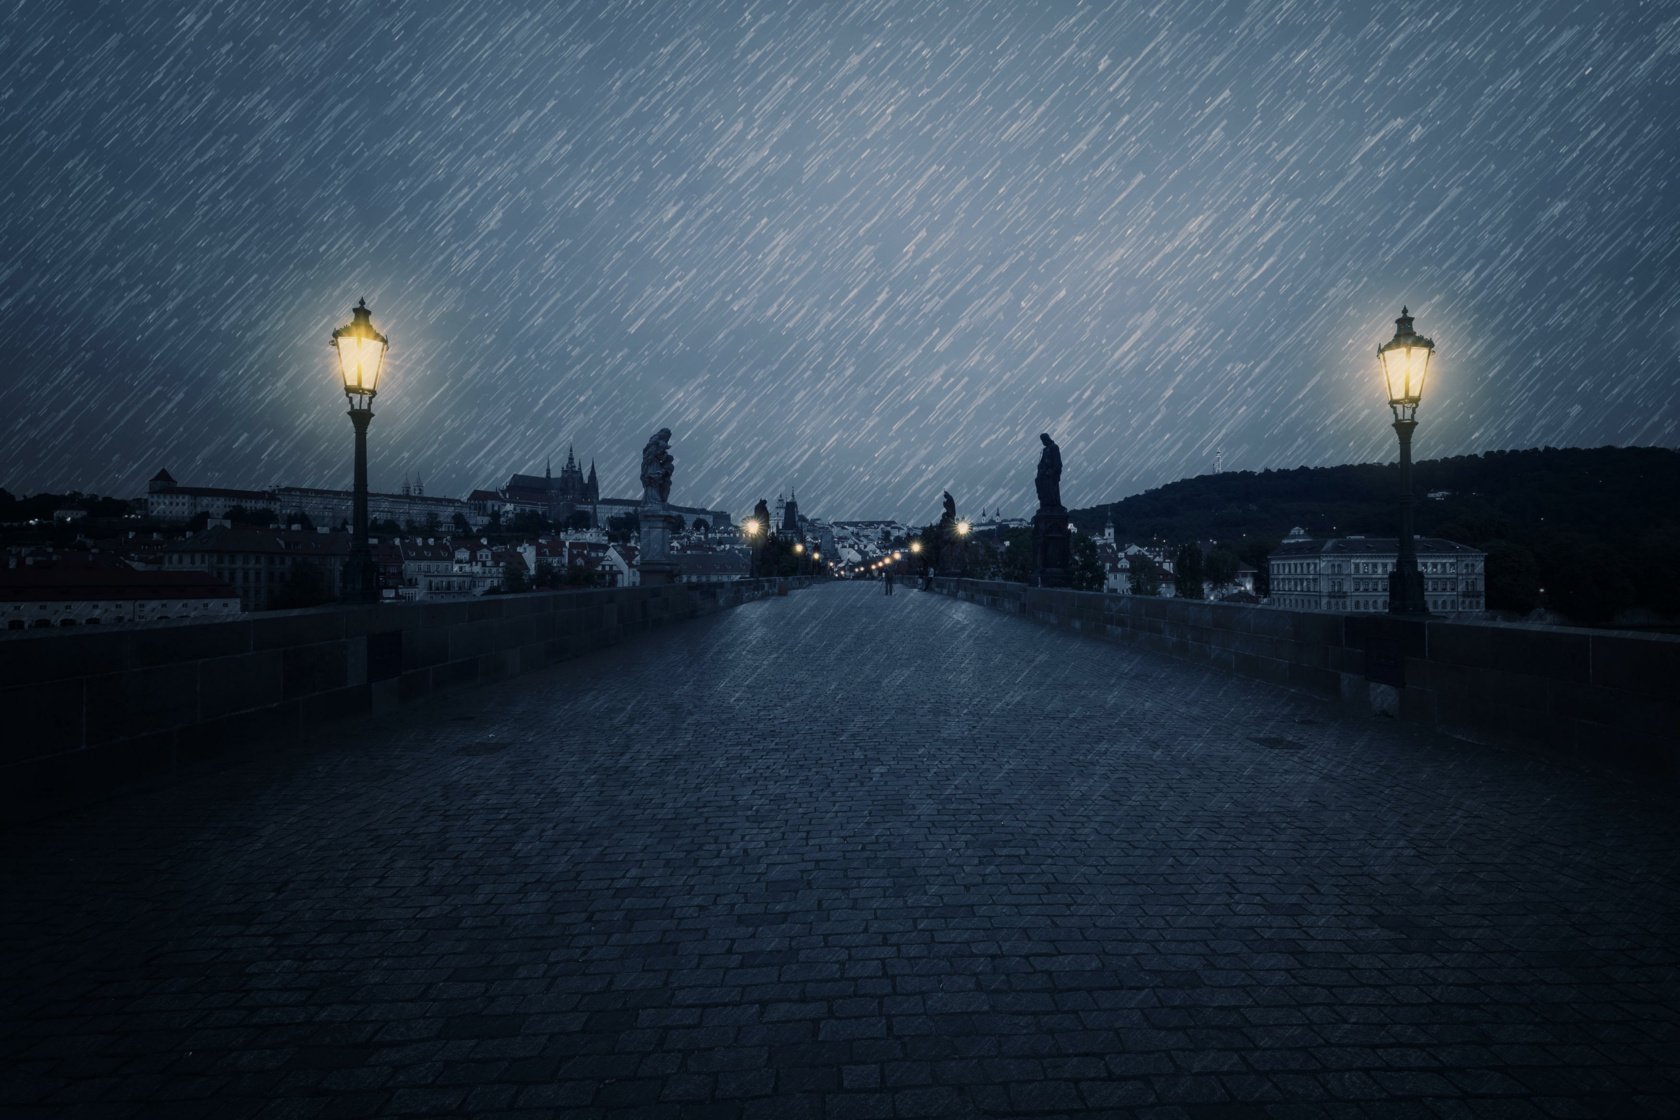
865,250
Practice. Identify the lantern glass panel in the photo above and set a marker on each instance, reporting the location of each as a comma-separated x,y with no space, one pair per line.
360,357
1405,368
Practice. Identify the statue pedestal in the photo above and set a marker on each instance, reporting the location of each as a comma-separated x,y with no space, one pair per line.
951,546
1052,548
654,566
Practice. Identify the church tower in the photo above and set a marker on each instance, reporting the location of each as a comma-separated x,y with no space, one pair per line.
790,519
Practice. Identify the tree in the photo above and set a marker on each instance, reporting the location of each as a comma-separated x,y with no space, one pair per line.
1256,554
1087,574
528,523
1512,577
701,527
513,578
1188,565
1015,563
1221,568
1145,576
1585,579
579,519
460,524
546,575
300,519
1653,568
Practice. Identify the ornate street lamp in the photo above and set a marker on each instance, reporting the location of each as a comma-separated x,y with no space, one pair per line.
1405,362
361,354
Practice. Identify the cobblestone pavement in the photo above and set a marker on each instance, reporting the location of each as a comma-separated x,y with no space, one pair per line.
841,855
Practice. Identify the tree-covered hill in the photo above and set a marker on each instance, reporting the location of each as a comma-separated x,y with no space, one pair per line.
1598,529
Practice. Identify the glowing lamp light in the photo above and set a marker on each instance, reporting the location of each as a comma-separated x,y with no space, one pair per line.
1405,362
962,528
798,548
361,353
751,527
915,546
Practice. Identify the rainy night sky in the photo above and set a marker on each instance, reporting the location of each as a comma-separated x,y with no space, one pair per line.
863,250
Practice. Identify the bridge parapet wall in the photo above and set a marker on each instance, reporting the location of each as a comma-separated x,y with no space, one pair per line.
89,709
1604,697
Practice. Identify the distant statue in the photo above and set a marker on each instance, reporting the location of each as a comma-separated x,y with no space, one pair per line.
1049,479
950,508
761,514
656,467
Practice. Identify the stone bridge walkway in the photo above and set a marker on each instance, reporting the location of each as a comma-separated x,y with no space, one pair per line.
841,855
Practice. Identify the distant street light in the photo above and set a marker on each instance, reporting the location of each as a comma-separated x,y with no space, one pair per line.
752,528
963,528
1405,362
361,354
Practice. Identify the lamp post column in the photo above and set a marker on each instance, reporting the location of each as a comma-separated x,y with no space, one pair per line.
361,354
1405,586
361,578
1405,362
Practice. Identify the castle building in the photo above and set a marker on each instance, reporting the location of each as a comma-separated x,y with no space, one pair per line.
168,500
557,499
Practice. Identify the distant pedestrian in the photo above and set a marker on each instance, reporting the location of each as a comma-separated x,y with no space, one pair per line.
886,581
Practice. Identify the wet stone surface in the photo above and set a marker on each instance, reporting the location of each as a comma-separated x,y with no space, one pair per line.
842,855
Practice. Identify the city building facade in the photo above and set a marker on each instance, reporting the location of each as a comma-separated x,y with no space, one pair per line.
1350,574
257,562
37,597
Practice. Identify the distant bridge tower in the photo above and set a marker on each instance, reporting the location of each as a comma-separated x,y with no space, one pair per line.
1219,461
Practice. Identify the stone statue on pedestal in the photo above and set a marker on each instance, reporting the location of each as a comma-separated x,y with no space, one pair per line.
1052,546
654,565
656,468
1049,481
950,541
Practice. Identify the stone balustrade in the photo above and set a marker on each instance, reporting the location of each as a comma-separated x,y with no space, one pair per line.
1604,697
90,709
